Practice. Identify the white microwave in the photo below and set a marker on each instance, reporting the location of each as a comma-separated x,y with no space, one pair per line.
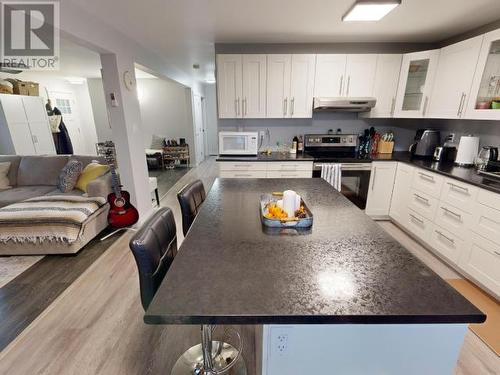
238,143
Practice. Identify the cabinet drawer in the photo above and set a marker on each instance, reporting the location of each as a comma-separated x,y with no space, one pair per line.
489,199
290,166
446,243
482,261
453,219
418,225
423,204
486,222
298,174
243,174
242,166
427,182
459,194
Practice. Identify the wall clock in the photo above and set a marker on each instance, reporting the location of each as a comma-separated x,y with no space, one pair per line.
128,80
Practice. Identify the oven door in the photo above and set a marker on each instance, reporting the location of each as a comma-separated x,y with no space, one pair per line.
355,181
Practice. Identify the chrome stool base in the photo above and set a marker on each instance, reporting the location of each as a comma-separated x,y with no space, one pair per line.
191,362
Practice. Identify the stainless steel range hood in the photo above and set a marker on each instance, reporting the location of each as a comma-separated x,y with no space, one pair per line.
343,104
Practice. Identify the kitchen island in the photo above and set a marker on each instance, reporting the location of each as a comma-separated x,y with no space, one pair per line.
342,291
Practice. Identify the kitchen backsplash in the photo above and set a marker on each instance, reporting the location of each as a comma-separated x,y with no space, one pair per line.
283,130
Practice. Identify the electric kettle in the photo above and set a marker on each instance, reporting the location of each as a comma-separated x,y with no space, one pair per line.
486,155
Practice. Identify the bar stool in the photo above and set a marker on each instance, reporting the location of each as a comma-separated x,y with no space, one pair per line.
190,197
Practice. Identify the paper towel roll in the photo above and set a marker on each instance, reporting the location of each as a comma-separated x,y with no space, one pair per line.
289,201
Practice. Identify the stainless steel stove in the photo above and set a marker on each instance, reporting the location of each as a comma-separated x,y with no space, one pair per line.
341,148
492,170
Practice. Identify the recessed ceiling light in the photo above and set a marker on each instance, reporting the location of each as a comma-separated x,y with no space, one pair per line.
370,10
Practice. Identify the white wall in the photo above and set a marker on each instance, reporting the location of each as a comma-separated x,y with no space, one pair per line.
165,110
211,118
98,102
81,127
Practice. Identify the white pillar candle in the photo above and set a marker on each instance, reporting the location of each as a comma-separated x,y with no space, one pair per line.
289,201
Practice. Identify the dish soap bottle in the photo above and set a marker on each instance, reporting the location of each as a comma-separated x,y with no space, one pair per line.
293,149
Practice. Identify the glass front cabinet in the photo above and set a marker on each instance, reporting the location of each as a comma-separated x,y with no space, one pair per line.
484,102
415,83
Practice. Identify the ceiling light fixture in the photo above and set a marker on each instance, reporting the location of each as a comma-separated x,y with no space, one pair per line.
370,10
76,80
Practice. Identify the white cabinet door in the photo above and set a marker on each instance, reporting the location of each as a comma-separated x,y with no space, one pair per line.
329,76
455,72
42,138
400,193
229,85
254,86
360,75
302,86
415,84
12,106
35,109
486,83
386,85
21,137
381,187
278,85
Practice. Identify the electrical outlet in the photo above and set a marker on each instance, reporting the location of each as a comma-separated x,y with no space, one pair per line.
280,340
451,137
262,134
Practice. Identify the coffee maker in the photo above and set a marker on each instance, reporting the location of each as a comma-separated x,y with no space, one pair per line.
426,141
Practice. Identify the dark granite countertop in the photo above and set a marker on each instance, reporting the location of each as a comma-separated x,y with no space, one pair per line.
274,156
448,169
347,269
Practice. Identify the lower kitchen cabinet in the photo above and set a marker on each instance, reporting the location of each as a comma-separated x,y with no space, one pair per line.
380,190
446,243
299,169
400,193
418,225
243,174
482,261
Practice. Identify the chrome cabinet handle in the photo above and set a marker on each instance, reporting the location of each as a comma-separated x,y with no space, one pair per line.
448,211
348,85
444,236
243,175
241,165
453,186
462,97
393,106
285,106
421,198
341,84
244,106
417,219
236,107
427,176
238,112
426,101
292,106
462,103
374,177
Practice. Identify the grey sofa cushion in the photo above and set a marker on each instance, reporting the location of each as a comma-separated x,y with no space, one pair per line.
87,159
18,194
14,161
40,170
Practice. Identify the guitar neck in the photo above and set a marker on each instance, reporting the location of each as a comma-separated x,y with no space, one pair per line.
115,181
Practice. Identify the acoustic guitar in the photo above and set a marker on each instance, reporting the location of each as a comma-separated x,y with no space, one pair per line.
121,213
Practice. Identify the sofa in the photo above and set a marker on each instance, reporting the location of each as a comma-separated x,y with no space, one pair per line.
35,176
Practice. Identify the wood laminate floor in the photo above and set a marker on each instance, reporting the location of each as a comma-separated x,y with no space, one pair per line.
95,326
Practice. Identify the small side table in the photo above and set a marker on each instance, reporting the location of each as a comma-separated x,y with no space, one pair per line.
153,187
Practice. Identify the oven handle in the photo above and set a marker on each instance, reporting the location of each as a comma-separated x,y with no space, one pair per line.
347,166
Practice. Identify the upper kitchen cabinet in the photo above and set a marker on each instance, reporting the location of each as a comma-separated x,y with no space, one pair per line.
345,75
229,85
415,84
386,85
454,76
241,86
484,101
290,85
329,79
253,103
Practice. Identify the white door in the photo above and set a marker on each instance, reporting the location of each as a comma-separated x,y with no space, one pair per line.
381,186
12,106
386,85
360,75
67,104
302,86
278,85
229,85
22,139
198,129
415,83
400,193
486,83
254,86
329,76
42,138
455,72
35,108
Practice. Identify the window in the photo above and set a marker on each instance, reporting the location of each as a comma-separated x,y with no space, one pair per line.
64,106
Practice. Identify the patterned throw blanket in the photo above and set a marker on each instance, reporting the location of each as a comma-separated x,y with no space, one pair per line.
49,218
